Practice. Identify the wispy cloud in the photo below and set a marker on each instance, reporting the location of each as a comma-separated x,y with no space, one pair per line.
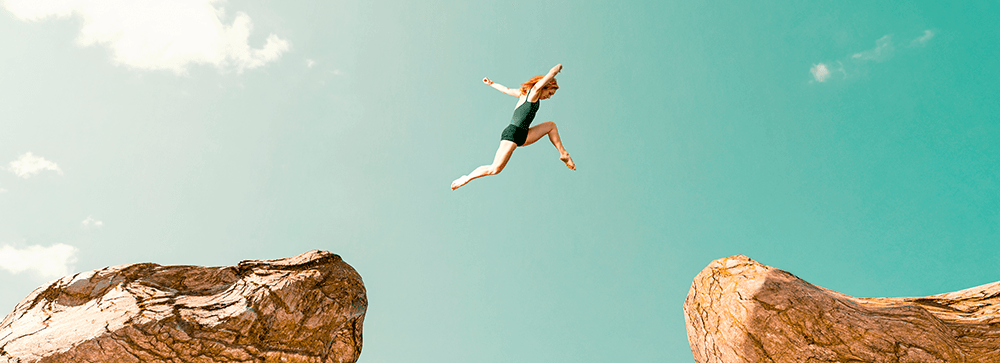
858,62
28,165
310,63
91,222
923,39
49,262
156,34
882,52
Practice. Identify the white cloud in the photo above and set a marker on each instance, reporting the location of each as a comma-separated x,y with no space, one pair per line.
28,165
882,51
820,72
310,63
157,34
923,39
49,262
90,222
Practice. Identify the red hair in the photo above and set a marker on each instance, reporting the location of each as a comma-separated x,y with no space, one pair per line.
531,83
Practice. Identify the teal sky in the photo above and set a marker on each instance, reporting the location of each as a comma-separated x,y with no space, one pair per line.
853,144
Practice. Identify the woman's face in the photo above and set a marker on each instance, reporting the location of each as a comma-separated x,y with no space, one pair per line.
548,93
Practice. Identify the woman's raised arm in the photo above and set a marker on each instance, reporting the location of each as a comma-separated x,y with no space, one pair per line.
541,83
501,88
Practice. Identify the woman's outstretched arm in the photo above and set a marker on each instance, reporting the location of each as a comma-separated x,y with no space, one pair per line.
501,88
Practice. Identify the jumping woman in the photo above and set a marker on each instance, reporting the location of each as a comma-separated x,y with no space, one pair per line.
520,132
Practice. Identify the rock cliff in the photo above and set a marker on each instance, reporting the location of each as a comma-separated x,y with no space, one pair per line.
739,310
308,308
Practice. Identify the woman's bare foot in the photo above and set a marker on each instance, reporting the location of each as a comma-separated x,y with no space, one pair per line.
460,182
568,160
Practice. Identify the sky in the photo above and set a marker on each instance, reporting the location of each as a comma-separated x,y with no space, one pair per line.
851,143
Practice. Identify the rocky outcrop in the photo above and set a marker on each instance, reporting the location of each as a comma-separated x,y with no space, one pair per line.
739,310
307,308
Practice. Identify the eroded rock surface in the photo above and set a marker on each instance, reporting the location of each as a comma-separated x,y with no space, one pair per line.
739,310
308,308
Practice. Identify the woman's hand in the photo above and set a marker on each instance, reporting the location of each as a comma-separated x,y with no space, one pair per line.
557,68
487,81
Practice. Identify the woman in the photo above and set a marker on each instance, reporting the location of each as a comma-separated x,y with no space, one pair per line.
518,133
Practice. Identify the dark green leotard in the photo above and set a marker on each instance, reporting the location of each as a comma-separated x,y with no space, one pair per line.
517,131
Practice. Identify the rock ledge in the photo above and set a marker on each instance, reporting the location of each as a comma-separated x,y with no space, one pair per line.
739,310
307,308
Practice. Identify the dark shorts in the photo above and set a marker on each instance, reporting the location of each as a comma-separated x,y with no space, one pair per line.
517,135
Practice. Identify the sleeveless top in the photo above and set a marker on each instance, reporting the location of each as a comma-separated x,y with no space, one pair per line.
524,115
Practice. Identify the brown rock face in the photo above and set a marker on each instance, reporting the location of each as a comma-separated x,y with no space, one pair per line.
741,311
307,308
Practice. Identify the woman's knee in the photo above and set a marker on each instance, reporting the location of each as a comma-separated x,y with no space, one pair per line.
495,169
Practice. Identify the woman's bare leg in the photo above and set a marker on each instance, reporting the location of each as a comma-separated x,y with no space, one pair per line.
499,162
549,128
